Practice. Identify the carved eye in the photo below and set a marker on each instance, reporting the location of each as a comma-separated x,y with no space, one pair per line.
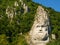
38,25
42,26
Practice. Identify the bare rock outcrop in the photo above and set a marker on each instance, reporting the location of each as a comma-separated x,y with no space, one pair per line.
12,11
39,32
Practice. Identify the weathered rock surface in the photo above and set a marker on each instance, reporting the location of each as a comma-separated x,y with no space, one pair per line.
39,32
11,11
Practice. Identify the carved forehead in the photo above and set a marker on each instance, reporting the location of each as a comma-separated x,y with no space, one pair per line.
39,25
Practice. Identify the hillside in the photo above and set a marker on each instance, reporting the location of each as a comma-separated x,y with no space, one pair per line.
17,18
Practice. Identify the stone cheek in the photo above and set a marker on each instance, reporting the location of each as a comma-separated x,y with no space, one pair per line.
39,33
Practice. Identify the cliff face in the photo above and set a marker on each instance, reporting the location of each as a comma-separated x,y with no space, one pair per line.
24,20
13,11
39,32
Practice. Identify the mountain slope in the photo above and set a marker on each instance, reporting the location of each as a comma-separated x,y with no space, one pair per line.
17,18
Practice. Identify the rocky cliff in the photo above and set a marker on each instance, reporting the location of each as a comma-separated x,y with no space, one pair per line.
39,32
23,22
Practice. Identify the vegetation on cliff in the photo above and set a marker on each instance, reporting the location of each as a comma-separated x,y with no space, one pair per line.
13,33
55,26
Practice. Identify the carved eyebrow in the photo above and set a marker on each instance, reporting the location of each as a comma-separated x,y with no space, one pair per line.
41,25
44,25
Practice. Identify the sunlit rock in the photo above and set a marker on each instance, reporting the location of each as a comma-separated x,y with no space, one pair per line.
10,13
39,31
16,3
53,36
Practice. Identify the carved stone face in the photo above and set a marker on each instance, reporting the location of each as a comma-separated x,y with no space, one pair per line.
40,32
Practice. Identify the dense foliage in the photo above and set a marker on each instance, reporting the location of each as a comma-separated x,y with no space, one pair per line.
12,33
55,25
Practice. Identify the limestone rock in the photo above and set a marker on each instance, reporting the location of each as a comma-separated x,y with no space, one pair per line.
53,36
39,31
9,12
16,3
